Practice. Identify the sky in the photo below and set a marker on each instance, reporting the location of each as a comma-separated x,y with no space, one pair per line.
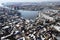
4,1
1,1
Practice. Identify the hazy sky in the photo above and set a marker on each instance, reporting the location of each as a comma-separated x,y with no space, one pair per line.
3,1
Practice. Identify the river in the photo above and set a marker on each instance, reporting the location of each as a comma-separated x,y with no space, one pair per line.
28,14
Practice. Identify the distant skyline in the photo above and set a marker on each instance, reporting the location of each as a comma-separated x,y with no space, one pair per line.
4,1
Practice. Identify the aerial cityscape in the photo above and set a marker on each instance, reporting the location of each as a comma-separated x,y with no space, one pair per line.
30,20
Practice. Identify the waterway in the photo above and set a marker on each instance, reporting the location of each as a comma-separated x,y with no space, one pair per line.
28,14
